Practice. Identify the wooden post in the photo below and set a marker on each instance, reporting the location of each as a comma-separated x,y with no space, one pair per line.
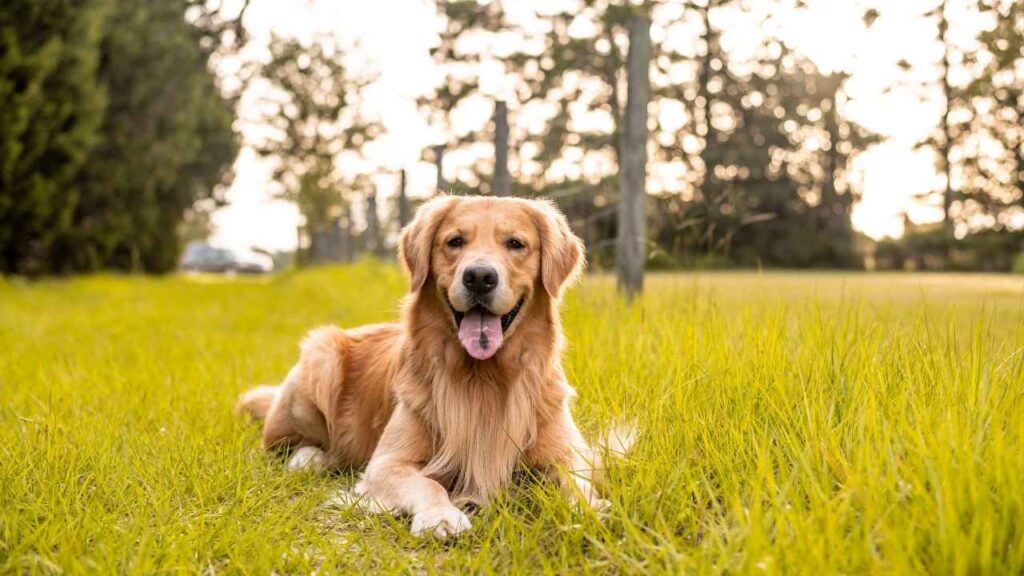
630,252
439,162
373,243
346,244
403,201
502,182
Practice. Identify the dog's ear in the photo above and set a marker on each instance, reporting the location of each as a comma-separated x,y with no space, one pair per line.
416,241
561,252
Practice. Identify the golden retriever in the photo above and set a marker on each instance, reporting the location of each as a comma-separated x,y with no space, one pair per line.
444,405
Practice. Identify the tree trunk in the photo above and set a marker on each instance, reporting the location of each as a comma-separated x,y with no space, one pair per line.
710,155
829,194
502,182
946,146
630,248
1017,172
611,77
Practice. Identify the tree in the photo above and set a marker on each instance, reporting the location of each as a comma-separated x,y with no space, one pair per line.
574,71
794,147
949,138
752,143
771,156
51,109
316,125
994,164
104,182
167,142
948,135
558,73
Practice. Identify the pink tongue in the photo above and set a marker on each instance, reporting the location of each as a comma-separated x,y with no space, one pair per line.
480,334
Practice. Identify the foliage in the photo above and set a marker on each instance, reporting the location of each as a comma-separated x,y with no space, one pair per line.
760,148
148,133
790,423
51,110
315,125
978,143
995,178
947,138
167,142
776,189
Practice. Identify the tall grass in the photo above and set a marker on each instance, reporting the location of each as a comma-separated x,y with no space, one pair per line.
790,423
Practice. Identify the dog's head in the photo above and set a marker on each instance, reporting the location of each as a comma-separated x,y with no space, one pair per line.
487,258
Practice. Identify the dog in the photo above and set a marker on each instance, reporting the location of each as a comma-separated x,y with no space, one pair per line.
444,405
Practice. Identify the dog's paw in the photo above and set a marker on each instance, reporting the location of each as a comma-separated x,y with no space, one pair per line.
442,522
308,457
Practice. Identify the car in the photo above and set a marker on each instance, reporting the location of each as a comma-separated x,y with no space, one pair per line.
202,257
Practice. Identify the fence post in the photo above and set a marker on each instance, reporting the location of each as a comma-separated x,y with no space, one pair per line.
373,236
439,162
502,182
630,250
403,201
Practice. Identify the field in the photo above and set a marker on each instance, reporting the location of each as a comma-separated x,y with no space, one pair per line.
790,423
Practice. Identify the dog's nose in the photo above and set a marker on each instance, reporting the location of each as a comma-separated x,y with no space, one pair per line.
480,279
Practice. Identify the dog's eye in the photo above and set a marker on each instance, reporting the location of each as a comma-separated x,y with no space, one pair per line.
514,244
456,242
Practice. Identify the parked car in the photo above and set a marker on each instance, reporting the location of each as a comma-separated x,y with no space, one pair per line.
206,258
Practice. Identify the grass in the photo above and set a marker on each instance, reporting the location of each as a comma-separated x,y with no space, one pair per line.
791,423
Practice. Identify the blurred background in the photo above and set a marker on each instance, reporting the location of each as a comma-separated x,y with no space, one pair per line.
253,135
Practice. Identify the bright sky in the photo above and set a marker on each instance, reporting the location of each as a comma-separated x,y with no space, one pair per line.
394,37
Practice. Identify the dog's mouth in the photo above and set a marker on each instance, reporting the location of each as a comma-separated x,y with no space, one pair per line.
481,332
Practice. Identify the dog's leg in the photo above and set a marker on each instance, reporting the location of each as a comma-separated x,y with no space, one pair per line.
394,479
294,421
561,450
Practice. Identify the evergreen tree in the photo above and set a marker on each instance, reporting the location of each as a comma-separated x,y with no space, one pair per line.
51,109
167,141
113,125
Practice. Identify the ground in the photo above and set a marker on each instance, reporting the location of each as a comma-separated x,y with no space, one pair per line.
790,423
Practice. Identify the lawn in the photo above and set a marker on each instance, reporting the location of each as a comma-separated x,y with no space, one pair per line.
790,423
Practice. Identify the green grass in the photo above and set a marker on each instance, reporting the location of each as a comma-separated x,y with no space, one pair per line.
790,423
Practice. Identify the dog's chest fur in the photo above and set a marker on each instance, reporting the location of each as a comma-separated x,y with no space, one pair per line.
480,429
482,417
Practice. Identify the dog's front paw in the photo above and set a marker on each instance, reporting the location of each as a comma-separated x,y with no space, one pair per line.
442,522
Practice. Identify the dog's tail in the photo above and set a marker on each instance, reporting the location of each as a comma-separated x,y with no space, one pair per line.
256,402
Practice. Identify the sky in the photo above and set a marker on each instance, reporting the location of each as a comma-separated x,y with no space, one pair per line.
394,38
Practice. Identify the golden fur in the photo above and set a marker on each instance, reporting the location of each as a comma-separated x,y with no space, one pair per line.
432,424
